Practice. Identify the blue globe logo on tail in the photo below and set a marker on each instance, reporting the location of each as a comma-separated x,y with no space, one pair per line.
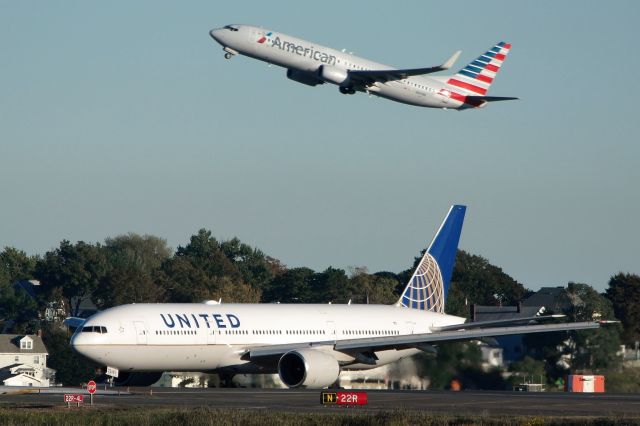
428,287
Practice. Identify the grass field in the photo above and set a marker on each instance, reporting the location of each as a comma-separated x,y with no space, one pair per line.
143,416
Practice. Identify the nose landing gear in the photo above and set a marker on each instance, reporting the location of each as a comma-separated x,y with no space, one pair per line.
229,53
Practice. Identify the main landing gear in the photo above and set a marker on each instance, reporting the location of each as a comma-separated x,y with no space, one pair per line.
349,90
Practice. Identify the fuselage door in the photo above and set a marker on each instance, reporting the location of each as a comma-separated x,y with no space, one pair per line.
141,332
331,330
409,326
211,336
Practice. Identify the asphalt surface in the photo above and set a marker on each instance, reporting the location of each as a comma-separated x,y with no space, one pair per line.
472,403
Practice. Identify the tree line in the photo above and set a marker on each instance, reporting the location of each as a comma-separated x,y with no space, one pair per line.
136,268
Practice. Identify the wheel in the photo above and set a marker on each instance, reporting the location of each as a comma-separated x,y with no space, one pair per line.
344,90
228,55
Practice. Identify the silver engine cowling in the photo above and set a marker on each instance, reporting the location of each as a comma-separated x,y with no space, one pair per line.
334,75
308,368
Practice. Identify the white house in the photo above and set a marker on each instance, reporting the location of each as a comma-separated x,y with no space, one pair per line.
23,361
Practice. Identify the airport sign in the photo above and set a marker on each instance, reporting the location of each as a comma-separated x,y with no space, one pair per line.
343,398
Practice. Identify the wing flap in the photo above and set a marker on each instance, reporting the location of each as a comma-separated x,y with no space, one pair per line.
413,340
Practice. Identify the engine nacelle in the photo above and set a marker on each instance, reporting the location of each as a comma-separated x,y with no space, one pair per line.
308,368
137,379
308,78
334,75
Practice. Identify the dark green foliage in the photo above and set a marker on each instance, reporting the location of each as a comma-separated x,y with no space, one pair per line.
292,286
482,283
71,368
18,308
76,268
453,360
332,285
15,265
122,286
624,294
252,263
143,253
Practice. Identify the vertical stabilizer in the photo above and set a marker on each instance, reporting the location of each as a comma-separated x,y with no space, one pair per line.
476,78
427,289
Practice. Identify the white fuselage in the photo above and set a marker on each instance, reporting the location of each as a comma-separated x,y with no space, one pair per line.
214,337
307,57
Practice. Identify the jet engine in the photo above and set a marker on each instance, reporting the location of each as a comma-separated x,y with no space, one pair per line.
308,78
308,368
334,75
137,379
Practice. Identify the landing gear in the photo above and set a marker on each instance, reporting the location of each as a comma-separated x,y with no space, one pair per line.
228,55
226,380
347,90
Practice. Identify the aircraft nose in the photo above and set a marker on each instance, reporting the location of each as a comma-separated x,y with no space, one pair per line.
215,34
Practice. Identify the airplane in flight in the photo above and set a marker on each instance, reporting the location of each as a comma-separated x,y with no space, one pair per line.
312,64
306,344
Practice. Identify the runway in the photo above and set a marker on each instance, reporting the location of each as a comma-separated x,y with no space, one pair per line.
472,403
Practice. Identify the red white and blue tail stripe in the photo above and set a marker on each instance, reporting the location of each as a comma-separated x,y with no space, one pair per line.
476,78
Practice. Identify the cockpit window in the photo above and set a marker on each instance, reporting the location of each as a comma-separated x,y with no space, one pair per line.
231,28
94,329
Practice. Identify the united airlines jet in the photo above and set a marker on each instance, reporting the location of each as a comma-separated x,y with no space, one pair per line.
306,344
312,64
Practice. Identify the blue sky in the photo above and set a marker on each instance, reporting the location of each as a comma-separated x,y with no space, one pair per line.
122,116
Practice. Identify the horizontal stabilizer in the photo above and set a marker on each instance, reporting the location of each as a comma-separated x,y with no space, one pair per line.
490,98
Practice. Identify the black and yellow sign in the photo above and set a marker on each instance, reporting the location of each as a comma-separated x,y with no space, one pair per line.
328,398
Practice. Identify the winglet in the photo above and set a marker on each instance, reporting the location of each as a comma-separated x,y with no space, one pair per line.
452,60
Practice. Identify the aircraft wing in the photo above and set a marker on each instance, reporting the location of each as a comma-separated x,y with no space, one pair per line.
373,344
371,76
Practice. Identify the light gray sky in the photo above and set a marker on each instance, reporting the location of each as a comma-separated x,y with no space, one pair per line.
123,116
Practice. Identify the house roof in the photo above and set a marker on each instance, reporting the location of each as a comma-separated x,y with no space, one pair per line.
10,343
552,298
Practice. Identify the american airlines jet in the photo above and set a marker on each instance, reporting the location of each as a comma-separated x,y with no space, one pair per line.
306,344
312,64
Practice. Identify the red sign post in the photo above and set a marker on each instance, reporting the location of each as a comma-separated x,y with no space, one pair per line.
91,388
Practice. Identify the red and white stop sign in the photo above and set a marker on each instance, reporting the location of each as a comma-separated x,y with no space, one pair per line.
91,387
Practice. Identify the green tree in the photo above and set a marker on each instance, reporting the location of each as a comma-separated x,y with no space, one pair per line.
252,263
624,294
292,286
374,289
77,269
18,309
452,360
331,285
119,287
183,282
71,369
15,265
205,254
144,253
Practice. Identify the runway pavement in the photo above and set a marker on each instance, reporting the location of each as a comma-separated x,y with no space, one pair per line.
473,403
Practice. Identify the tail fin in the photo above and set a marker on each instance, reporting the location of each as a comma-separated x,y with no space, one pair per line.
476,78
427,289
